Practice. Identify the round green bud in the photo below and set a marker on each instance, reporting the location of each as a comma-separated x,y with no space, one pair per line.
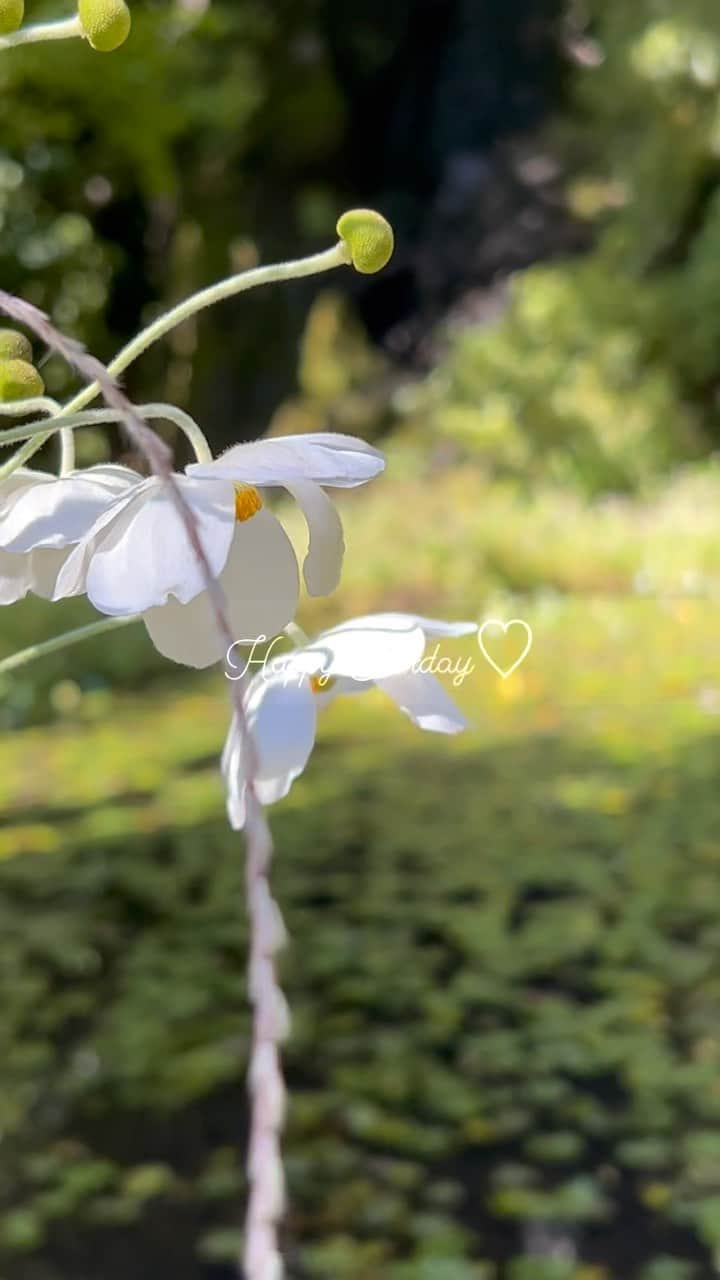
19,380
12,13
15,346
369,239
105,23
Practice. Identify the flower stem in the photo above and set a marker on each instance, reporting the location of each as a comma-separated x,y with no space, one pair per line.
67,452
16,408
63,641
337,256
20,408
95,417
318,262
65,29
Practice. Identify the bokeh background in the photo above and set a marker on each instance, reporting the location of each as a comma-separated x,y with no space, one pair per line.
505,960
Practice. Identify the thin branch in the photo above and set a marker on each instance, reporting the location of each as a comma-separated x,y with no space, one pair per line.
95,417
64,641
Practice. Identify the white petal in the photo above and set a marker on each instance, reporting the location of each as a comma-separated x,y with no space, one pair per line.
233,771
143,558
261,579
72,579
185,633
20,479
282,720
368,648
15,577
45,565
436,627
326,546
32,571
422,697
58,511
400,621
261,586
328,458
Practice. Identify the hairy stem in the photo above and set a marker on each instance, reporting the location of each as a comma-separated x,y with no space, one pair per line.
336,257
96,417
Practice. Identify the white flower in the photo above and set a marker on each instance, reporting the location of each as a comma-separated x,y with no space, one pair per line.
281,702
42,516
137,559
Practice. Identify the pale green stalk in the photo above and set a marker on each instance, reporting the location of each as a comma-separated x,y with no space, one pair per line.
95,417
66,29
21,408
37,404
338,256
67,452
63,641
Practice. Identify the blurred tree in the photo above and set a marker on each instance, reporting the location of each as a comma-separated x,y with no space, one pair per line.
267,119
605,371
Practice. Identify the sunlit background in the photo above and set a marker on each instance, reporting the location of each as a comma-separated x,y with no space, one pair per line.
505,959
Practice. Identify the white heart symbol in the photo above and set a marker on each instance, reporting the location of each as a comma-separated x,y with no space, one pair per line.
505,627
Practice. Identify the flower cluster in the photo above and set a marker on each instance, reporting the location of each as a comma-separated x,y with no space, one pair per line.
115,536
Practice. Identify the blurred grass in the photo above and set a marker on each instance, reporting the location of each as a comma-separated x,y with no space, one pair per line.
503,969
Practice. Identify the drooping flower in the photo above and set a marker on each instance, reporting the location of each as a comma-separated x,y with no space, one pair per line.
42,516
383,650
137,559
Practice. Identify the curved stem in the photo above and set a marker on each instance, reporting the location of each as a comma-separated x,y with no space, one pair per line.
94,417
20,408
63,641
16,408
65,29
318,262
187,425
338,256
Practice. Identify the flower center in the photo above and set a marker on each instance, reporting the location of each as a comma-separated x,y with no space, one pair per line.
247,501
321,684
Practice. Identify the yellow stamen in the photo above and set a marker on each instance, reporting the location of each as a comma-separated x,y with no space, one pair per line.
321,684
247,501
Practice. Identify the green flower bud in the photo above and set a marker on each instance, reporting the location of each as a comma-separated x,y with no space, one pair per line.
105,23
14,346
12,13
19,380
369,239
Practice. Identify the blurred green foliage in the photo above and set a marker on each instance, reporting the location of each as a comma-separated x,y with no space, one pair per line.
605,370
503,975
